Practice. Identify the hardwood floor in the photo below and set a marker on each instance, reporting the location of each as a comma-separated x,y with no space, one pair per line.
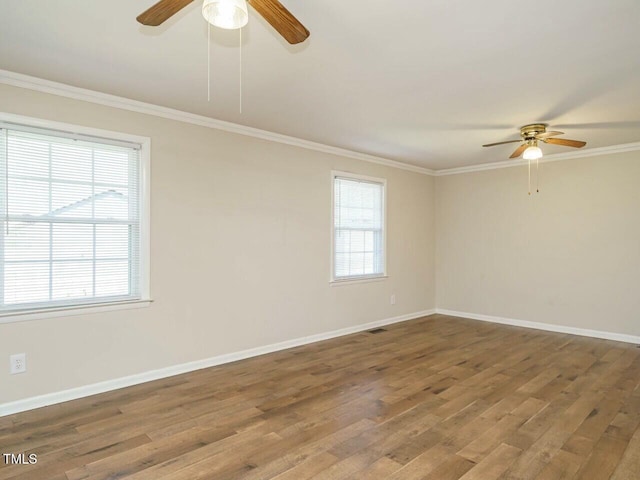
434,398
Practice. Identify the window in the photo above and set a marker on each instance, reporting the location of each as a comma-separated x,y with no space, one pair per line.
71,218
358,227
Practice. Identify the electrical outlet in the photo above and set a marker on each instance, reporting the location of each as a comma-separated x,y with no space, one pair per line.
393,299
18,363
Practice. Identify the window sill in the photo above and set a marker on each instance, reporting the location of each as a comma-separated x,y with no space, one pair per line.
353,281
38,314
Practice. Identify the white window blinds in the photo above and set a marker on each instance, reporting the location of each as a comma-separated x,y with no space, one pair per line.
358,228
70,217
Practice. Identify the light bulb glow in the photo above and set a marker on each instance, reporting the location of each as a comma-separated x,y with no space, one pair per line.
228,14
532,153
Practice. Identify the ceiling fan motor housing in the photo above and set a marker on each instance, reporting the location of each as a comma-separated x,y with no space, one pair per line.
529,132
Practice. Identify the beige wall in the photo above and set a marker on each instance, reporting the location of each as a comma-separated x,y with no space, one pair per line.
569,255
240,242
240,233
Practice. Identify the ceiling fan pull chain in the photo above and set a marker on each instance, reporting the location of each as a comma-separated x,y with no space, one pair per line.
208,62
537,175
240,69
529,163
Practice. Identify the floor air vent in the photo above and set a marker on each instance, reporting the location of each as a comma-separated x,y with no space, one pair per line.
378,330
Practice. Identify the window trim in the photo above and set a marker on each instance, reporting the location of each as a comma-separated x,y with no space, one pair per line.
145,222
355,279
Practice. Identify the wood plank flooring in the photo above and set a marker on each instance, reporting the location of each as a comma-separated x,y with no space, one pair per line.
435,398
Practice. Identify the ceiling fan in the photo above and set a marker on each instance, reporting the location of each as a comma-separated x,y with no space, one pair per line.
530,135
231,14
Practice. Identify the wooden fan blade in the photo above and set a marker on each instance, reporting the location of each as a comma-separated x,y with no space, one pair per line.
500,143
518,151
548,134
565,142
281,19
161,11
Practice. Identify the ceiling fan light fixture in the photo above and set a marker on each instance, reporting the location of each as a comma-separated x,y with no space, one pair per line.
227,14
532,153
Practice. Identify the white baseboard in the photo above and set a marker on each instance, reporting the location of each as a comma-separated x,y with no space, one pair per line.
620,337
95,388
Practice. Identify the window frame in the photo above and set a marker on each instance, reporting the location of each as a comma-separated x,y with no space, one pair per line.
88,306
333,280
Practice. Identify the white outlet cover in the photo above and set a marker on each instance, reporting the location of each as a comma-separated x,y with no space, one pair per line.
18,363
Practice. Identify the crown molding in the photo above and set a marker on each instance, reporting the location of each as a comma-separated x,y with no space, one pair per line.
556,157
47,86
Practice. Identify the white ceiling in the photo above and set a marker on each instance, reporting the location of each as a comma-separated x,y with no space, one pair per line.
423,82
